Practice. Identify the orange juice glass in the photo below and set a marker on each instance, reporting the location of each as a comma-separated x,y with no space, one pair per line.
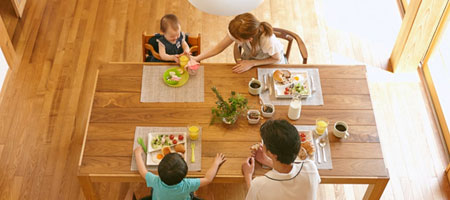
321,126
193,131
183,61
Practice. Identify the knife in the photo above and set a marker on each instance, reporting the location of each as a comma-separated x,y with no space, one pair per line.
313,89
265,82
270,84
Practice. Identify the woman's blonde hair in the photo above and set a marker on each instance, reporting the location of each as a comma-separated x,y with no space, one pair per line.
246,26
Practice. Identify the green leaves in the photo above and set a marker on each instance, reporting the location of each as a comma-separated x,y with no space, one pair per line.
230,109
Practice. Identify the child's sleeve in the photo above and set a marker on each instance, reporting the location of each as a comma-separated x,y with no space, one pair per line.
191,184
151,179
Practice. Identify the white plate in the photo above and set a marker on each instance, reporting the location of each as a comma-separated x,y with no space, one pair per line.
303,78
309,137
151,157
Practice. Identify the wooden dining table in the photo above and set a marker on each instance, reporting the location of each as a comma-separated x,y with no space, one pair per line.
116,111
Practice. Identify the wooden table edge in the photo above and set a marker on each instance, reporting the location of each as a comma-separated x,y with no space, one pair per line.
91,103
232,64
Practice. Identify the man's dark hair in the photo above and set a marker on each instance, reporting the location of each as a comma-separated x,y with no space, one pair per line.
281,138
172,169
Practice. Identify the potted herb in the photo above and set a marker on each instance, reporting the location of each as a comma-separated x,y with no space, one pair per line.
228,111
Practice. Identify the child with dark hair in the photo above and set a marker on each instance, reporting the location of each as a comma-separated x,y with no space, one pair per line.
172,170
287,180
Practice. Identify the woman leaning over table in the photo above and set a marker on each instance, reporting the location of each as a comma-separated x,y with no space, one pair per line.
260,45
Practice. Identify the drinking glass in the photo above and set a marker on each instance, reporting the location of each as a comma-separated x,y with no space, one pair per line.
321,126
193,129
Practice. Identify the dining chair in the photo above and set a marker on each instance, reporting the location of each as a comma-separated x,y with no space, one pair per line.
283,34
150,46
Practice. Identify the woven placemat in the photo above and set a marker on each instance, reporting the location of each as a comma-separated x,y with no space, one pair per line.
316,97
323,165
155,90
143,133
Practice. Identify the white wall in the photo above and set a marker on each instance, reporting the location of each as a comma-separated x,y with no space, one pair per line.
3,69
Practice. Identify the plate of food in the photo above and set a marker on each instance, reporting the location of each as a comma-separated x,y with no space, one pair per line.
288,83
161,144
308,148
175,77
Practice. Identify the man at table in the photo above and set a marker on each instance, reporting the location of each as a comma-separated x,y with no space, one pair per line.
286,180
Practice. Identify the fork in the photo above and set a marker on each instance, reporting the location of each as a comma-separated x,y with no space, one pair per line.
193,152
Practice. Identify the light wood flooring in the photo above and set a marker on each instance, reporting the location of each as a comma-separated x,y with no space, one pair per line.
62,43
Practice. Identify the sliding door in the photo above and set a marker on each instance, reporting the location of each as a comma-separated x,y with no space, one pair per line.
436,68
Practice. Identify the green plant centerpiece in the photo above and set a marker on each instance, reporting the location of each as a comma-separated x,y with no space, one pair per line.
228,111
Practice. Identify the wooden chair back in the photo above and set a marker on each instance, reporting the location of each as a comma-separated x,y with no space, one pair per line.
290,37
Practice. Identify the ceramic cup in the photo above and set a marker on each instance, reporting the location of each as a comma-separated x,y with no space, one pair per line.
254,90
253,121
341,130
268,114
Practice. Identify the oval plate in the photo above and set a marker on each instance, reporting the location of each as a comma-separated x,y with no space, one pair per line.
184,77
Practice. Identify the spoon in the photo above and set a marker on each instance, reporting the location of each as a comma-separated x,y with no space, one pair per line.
261,101
322,144
318,152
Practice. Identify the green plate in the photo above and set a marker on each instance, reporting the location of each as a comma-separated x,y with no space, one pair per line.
184,77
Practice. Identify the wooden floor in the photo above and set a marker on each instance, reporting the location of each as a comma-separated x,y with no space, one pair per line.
62,43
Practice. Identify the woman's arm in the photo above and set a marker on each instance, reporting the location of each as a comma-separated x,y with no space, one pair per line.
163,54
245,65
139,162
226,41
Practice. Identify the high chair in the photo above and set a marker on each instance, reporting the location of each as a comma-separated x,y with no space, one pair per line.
150,46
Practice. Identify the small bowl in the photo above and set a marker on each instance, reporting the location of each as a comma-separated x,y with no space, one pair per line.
253,121
268,114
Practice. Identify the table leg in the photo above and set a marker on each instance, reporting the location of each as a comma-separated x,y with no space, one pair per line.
374,191
87,187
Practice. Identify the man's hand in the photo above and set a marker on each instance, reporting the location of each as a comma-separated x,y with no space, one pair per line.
248,167
243,66
261,157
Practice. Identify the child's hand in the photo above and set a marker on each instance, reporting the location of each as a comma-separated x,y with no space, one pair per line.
176,58
248,167
219,160
138,150
243,66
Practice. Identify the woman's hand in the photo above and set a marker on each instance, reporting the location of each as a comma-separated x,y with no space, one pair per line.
195,58
244,66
